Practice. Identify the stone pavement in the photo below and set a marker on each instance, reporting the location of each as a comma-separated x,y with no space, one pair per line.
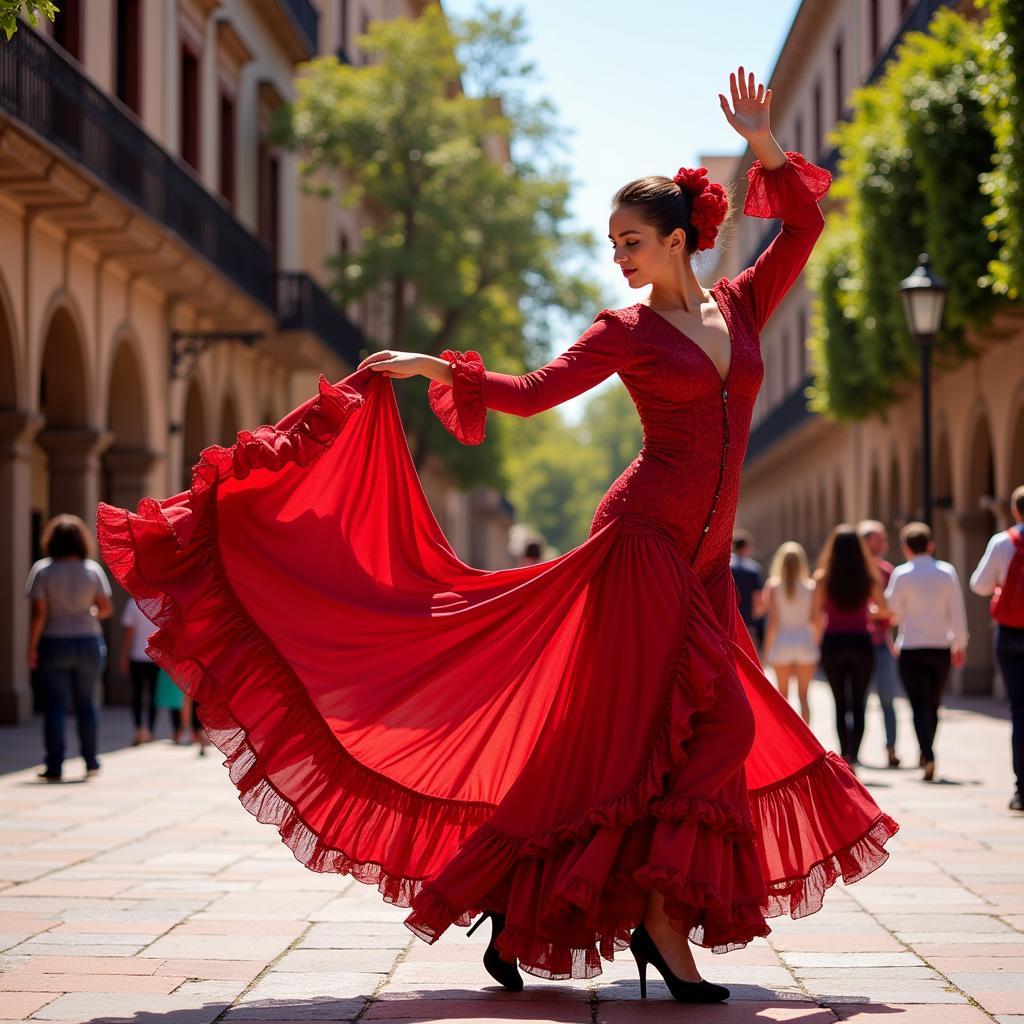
147,895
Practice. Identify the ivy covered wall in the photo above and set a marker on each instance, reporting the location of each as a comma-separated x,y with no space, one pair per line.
930,161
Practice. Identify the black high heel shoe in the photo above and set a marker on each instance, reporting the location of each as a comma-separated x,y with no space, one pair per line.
501,971
644,951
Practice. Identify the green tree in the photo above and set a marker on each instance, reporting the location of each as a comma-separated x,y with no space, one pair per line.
470,242
558,472
1003,92
912,160
10,9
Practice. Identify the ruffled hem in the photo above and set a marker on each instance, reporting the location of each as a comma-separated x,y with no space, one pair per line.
841,834
787,189
460,407
213,666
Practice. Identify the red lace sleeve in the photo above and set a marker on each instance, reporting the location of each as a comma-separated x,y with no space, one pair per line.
785,191
460,407
790,192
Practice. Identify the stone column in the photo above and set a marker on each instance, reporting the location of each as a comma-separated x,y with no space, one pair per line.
129,472
969,534
74,470
17,429
128,475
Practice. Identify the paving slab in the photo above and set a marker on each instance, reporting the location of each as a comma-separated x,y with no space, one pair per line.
178,908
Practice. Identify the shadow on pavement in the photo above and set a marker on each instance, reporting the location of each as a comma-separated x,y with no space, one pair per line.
554,1007
21,746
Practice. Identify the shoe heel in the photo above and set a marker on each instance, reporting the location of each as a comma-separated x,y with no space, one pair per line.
476,924
641,966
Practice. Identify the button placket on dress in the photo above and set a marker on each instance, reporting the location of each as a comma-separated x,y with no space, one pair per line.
721,471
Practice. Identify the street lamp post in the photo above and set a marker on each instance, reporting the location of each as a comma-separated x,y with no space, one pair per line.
924,300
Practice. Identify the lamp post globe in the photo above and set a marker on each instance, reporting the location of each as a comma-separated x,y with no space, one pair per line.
924,300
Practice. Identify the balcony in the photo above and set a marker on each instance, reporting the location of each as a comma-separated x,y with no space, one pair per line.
302,305
917,19
786,416
43,91
295,24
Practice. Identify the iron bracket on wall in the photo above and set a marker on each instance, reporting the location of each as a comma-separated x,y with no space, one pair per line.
188,346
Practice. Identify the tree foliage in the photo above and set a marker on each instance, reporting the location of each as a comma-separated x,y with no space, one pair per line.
1004,97
912,160
558,472
10,9
469,240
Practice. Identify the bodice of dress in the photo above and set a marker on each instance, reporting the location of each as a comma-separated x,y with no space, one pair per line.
686,477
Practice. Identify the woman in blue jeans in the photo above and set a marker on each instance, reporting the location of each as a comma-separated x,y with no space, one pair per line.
70,593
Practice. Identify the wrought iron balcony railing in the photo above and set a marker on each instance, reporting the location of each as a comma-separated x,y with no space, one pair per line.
786,416
306,19
44,91
303,305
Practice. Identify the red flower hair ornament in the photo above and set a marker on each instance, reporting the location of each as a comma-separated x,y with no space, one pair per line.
708,203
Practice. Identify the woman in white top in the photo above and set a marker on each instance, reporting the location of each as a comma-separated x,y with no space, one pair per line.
789,636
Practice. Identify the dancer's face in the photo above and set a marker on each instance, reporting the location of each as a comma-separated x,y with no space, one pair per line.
644,256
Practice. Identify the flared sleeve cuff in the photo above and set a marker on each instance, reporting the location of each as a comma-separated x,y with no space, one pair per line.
785,191
460,408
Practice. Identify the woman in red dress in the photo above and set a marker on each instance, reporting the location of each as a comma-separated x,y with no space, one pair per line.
585,749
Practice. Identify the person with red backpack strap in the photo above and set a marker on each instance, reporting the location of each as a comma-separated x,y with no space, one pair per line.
1001,574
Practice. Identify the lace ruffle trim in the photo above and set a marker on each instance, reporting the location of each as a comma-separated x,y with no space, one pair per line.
460,408
785,190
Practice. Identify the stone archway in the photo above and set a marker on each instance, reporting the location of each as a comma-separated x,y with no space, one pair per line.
1016,467
66,470
977,524
129,459
874,494
230,423
18,426
942,497
196,431
915,492
824,526
896,510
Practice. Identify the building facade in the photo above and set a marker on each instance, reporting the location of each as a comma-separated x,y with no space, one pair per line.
805,473
163,278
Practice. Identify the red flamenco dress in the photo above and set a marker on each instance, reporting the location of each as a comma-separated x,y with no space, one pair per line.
550,741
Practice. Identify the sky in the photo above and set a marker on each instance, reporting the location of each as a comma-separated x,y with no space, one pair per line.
637,84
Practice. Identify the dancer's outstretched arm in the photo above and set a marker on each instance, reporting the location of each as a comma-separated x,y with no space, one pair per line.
596,355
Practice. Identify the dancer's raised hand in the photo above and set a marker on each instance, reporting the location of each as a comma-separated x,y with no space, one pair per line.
750,113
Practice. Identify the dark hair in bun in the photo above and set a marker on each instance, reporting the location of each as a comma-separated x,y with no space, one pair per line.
662,203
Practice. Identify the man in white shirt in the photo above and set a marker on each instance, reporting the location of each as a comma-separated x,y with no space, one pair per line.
991,573
925,596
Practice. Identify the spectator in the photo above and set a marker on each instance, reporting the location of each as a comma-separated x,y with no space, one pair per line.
749,578
885,677
1001,572
848,595
70,594
532,553
134,661
926,598
790,647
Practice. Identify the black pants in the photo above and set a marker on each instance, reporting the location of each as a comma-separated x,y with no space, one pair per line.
195,724
1010,655
924,671
848,660
144,675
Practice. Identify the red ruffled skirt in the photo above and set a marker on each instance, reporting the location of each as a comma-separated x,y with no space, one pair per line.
550,741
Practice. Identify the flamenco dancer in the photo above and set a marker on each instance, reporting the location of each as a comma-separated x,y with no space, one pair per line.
583,751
